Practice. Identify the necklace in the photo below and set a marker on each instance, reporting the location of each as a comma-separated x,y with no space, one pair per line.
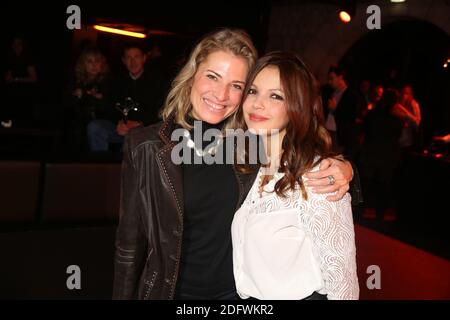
211,149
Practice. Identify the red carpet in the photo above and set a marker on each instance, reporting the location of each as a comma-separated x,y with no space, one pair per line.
406,272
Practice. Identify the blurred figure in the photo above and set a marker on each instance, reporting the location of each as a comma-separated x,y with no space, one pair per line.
20,68
20,80
409,111
154,53
380,156
367,100
88,96
375,97
140,87
342,112
364,91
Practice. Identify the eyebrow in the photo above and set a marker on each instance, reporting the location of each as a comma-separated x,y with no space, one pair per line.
219,76
279,89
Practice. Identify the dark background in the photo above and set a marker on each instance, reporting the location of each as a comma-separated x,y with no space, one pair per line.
412,50
43,25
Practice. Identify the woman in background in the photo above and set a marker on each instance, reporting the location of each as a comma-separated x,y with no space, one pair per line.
87,97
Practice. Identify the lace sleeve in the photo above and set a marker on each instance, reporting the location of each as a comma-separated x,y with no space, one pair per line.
331,227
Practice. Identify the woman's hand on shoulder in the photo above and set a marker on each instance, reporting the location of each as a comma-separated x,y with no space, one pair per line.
333,176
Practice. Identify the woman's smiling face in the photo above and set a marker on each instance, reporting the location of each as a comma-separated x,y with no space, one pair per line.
265,107
217,86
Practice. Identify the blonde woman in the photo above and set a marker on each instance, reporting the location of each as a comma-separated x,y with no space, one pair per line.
88,96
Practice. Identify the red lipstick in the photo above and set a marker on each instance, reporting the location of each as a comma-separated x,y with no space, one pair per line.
257,118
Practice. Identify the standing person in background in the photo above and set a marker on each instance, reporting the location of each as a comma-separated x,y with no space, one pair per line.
342,110
375,97
363,98
409,111
380,157
364,92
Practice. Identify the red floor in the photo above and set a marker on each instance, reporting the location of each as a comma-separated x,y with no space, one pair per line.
406,272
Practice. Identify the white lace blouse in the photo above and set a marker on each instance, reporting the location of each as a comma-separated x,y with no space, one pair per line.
289,248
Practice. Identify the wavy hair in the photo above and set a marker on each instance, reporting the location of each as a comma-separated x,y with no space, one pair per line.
306,141
235,41
81,76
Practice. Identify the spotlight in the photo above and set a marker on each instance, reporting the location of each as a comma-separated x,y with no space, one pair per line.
345,16
347,11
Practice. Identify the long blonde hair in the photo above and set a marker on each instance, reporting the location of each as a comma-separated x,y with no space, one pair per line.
235,41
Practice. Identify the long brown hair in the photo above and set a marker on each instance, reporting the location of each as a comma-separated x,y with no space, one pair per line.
307,141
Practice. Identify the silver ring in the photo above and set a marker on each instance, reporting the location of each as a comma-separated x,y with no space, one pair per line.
331,180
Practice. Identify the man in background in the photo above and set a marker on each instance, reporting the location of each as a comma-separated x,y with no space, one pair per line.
342,108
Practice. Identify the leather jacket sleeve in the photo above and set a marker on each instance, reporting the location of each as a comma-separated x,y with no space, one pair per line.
355,187
130,238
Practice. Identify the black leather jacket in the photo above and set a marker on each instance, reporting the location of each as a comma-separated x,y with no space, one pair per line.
149,235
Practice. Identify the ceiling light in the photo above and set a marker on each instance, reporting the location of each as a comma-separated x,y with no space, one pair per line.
120,31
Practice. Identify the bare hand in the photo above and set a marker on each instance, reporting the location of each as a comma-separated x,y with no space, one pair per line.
341,171
133,124
122,128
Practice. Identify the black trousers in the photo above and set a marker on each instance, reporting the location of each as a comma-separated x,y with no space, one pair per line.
231,295
314,296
